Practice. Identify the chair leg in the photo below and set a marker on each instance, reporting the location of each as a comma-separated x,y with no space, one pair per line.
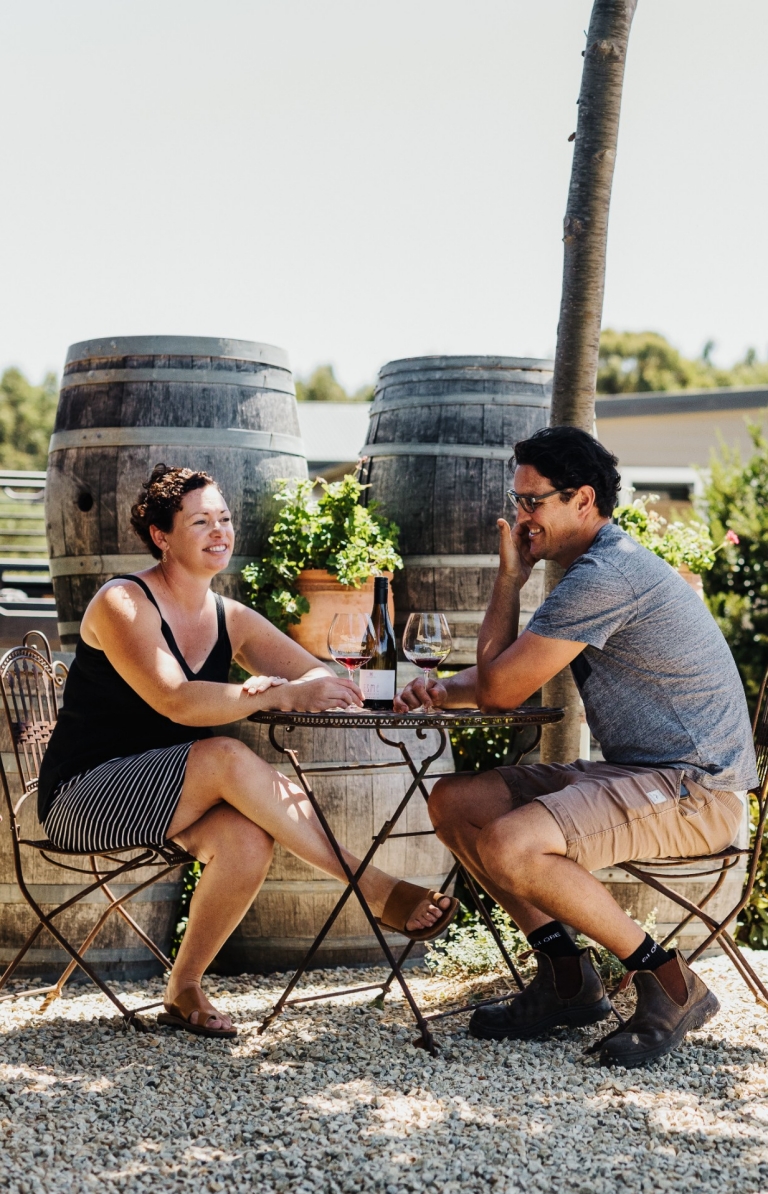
742,966
85,945
12,966
718,931
693,915
117,906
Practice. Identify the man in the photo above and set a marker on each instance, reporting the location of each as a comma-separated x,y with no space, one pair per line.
664,700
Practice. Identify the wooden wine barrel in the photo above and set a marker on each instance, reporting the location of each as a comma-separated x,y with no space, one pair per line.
117,952
225,406
441,433
296,899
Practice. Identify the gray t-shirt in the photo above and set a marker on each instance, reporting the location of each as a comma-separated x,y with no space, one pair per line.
658,682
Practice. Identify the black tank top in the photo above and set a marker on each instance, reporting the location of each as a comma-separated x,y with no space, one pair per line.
102,717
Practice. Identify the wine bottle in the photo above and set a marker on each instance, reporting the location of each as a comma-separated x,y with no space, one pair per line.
378,676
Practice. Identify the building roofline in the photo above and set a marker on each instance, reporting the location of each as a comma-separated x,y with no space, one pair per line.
680,402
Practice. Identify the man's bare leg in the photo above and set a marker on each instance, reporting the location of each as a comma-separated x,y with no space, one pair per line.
460,806
518,854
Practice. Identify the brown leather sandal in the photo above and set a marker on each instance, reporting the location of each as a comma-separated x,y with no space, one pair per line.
404,899
176,1016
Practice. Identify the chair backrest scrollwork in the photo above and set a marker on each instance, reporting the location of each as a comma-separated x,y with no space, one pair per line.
30,685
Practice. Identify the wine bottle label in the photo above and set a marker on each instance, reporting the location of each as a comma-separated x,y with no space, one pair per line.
377,685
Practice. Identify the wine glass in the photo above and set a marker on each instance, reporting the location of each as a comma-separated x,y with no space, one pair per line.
351,640
427,641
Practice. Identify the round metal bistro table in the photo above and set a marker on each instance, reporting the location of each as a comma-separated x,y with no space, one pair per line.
281,725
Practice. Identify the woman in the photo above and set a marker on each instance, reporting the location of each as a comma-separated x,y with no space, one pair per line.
133,760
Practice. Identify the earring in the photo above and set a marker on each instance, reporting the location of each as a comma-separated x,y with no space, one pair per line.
165,557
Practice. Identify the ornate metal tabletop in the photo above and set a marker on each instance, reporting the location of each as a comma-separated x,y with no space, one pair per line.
442,719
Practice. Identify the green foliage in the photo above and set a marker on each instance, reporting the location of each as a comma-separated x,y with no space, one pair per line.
753,921
335,533
323,386
190,877
638,362
736,590
468,949
737,586
681,544
480,749
27,415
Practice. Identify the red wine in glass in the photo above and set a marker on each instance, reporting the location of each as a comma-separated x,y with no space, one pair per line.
351,662
351,640
427,641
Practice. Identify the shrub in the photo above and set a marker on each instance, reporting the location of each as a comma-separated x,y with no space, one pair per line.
335,533
681,544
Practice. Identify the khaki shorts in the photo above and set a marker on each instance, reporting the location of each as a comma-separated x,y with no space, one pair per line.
610,814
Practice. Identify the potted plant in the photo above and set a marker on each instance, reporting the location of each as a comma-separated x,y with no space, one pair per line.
321,560
687,546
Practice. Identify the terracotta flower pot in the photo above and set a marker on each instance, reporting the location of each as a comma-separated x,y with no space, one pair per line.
693,579
327,597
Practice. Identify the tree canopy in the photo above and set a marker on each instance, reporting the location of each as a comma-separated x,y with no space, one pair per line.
27,414
638,362
323,386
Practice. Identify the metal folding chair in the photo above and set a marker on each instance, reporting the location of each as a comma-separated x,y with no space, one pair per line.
30,683
659,872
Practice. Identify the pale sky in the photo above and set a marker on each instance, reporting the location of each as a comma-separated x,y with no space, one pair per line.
357,182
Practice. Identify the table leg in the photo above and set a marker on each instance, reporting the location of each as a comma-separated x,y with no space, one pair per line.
353,881
468,879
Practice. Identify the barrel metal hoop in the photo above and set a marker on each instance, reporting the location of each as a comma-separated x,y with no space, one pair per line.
267,379
58,893
468,365
179,437
119,565
488,561
178,346
380,406
479,451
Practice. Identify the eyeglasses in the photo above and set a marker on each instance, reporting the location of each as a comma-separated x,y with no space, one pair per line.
531,501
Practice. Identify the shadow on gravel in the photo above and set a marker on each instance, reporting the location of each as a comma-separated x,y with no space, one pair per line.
351,1106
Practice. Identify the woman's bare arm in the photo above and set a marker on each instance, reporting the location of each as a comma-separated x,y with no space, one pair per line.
261,648
127,627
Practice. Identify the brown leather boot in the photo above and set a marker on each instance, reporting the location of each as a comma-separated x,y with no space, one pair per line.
670,1002
564,992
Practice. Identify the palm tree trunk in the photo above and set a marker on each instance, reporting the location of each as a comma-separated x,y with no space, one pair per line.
585,236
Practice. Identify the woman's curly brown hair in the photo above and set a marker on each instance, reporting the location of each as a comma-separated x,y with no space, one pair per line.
160,499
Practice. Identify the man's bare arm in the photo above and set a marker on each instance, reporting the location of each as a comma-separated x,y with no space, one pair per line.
522,669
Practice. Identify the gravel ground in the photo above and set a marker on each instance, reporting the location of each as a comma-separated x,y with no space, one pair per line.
336,1099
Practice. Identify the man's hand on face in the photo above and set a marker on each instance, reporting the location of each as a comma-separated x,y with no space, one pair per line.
417,695
515,559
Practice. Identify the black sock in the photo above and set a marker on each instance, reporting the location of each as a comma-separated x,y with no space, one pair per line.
553,940
648,956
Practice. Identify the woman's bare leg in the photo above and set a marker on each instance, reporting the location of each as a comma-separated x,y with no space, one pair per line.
236,854
224,770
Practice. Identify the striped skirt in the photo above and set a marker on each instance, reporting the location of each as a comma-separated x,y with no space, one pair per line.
119,804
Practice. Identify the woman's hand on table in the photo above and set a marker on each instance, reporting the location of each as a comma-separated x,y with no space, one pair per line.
417,695
317,694
257,684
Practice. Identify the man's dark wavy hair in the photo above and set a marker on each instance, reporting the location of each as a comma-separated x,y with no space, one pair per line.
569,458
